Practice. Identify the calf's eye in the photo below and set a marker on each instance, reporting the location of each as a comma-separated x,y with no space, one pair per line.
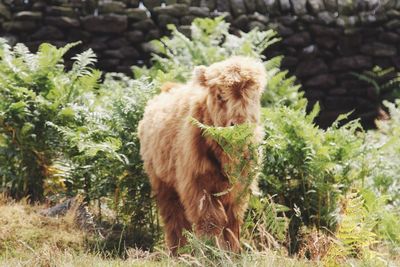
220,99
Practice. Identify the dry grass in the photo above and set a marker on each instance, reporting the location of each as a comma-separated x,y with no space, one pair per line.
23,231
30,239
55,257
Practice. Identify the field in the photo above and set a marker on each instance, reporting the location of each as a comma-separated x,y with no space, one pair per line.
325,197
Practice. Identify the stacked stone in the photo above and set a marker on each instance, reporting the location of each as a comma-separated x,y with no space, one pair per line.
117,31
323,41
114,39
327,42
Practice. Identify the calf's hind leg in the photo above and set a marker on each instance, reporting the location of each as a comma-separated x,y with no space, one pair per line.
173,216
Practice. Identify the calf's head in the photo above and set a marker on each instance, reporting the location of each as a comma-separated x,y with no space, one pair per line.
234,90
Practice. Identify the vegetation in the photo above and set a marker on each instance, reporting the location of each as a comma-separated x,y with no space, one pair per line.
331,196
385,82
31,239
63,132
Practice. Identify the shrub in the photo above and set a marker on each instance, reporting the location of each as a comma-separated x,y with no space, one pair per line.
382,175
64,133
384,148
102,150
35,89
307,168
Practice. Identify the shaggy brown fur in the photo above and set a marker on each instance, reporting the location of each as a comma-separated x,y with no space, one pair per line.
185,168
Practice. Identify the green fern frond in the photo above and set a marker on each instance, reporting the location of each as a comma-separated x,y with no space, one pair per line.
49,56
355,235
83,63
236,141
231,138
382,80
281,90
28,58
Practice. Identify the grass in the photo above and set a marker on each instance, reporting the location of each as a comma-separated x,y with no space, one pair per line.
30,239
23,231
52,257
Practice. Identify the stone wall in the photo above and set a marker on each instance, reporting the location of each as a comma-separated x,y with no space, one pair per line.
323,40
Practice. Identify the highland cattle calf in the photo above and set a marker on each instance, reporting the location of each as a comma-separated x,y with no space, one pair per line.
185,168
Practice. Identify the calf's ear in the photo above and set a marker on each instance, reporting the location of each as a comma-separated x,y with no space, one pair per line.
199,75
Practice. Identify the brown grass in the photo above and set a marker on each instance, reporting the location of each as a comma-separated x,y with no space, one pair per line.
30,239
23,231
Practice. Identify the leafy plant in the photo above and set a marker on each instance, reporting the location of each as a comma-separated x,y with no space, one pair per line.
385,82
281,90
306,168
64,133
103,151
237,142
381,180
35,89
210,42
354,236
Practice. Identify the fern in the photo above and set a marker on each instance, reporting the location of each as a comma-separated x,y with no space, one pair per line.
262,221
386,216
49,56
33,88
280,89
236,141
381,180
386,82
306,168
26,56
232,139
211,42
83,63
354,236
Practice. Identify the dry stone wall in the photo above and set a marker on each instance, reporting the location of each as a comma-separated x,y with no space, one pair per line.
323,41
